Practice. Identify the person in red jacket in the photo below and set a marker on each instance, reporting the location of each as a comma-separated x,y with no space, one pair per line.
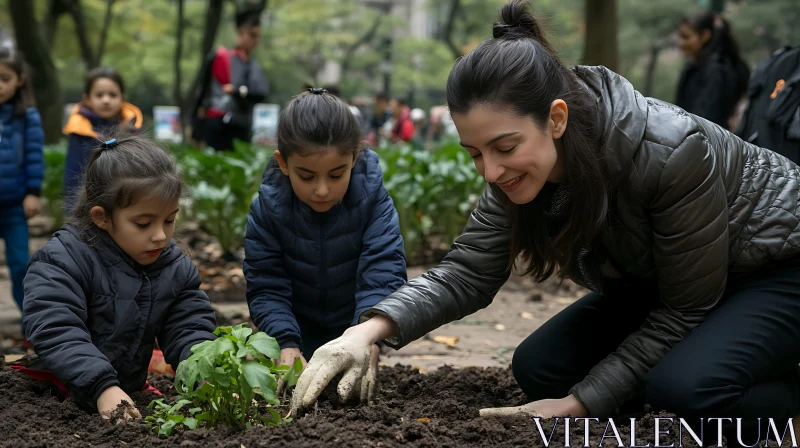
236,84
403,128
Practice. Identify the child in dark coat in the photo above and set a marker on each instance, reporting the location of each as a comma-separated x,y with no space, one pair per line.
323,240
111,282
102,109
21,164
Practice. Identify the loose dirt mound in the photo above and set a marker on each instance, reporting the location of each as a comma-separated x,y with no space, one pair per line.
432,410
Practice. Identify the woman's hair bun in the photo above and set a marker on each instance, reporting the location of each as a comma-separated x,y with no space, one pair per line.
516,21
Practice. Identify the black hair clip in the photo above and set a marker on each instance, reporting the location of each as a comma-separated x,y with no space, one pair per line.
110,143
317,90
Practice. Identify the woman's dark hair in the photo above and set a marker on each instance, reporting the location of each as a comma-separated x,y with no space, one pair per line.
23,98
102,73
316,121
120,174
721,43
519,72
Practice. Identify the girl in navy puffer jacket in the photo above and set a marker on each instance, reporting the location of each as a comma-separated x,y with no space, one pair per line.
323,240
21,164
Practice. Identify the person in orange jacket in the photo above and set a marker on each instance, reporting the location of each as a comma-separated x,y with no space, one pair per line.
103,107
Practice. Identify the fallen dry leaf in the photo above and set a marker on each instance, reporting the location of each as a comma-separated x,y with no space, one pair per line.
450,341
423,419
13,358
205,286
426,357
500,327
526,315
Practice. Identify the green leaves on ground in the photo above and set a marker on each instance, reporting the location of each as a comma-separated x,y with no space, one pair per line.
228,381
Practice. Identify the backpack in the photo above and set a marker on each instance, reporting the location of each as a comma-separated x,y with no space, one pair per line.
772,118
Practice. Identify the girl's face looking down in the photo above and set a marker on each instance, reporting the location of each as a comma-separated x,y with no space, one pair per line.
319,179
142,230
104,99
511,151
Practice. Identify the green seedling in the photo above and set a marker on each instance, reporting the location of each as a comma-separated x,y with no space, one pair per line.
229,381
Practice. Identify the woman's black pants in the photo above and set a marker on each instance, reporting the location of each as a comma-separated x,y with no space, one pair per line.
742,361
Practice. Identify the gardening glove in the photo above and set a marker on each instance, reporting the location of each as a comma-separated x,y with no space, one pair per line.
288,355
111,398
562,407
369,383
348,354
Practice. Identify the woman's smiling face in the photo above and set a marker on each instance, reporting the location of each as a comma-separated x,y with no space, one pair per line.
511,151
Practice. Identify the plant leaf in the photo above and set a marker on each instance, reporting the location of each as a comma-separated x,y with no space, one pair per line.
265,344
190,423
261,380
241,333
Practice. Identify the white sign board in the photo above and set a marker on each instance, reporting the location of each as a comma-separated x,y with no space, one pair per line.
168,123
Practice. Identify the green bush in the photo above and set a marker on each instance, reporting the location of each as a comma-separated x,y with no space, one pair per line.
222,184
53,183
433,191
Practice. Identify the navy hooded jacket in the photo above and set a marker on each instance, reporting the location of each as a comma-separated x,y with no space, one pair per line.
326,268
21,155
93,314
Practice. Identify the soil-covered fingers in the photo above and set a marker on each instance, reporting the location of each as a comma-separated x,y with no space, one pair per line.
369,386
351,380
511,411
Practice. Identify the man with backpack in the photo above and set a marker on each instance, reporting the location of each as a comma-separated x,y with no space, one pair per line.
233,82
772,118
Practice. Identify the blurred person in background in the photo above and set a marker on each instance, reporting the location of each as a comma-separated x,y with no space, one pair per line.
403,128
380,116
420,140
714,79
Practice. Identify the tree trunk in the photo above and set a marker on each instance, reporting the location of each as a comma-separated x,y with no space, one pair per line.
600,47
75,9
447,33
178,93
44,79
365,38
213,18
55,9
652,62
101,46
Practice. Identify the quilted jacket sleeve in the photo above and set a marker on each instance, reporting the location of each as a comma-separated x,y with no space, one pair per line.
466,280
34,152
382,265
689,216
269,289
190,320
55,316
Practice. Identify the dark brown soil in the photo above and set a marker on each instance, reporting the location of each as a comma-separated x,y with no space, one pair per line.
414,410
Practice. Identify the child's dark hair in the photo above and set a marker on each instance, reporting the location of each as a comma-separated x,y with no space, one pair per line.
23,98
102,73
120,174
316,121
248,17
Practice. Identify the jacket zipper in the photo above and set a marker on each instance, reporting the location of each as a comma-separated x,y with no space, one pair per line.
323,272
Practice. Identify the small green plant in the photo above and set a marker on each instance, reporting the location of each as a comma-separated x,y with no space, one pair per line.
221,381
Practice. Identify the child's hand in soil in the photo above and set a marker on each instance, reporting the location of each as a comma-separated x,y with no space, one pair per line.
288,355
350,353
562,407
111,398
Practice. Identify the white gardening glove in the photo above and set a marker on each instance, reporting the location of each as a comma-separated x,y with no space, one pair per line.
369,383
349,354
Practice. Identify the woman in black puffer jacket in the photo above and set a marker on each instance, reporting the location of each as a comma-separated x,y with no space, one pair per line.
714,79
